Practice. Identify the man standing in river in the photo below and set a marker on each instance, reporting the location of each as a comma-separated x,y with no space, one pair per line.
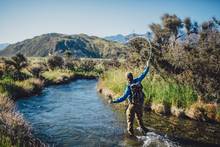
135,97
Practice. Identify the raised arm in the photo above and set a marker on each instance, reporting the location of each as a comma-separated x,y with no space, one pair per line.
142,75
127,92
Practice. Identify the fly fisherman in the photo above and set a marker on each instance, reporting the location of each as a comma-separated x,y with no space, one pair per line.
135,97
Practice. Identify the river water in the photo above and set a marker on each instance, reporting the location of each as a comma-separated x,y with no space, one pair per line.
74,114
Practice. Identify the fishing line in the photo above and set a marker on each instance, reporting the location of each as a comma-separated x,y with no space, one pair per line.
149,48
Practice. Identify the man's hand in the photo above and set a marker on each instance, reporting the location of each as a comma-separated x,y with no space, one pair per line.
148,61
110,101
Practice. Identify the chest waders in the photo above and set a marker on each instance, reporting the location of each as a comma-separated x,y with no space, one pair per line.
135,107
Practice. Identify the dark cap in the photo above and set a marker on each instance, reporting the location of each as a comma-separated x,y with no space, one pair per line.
129,74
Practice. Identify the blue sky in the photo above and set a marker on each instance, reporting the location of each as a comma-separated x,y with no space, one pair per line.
22,19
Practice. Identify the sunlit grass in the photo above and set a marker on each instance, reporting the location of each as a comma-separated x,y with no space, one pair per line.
5,141
155,88
7,86
12,88
168,91
30,84
115,80
53,75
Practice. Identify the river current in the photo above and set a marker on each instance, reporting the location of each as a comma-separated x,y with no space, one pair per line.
74,114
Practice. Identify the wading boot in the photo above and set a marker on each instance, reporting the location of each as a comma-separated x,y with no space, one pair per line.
144,130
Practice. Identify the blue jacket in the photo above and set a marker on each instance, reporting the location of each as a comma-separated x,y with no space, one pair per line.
127,91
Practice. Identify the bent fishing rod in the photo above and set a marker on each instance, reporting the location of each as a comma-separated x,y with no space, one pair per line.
150,46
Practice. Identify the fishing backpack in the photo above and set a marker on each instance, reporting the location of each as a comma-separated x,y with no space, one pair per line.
137,95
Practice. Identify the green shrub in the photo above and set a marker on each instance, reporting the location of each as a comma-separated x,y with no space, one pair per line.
85,65
19,61
36,70
13,67
68,64
55,62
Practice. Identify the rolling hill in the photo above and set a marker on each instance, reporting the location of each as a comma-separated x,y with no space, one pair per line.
80,45
125,38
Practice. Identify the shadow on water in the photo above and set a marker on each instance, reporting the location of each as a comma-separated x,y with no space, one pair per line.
75,115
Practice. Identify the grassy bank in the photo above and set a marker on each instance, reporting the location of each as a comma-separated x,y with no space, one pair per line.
17,89
163,96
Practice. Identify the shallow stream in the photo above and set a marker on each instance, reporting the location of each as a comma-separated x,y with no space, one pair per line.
74,114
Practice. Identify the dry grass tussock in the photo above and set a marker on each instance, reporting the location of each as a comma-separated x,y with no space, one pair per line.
14,130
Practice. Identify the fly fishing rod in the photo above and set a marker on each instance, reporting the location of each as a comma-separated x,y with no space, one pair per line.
149,47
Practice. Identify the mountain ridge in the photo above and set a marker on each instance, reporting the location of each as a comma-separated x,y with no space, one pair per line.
125,38
80,45
3,45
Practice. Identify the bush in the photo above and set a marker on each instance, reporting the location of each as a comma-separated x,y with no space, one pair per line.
68,54
85,65
55,62
139,52
6,68
36,70
19,61
12,66
69,64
